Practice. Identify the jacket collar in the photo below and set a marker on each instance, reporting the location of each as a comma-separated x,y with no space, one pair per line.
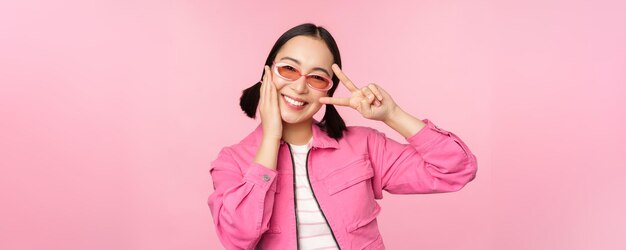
320,138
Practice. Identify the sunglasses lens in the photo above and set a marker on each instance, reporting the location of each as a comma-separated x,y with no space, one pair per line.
288,72
318,82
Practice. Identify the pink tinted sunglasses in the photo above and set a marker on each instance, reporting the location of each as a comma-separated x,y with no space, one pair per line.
290,73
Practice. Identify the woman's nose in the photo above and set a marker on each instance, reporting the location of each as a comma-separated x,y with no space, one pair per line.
300,85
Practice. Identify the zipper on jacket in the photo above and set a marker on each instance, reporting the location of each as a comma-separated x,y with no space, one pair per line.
295,209
315,198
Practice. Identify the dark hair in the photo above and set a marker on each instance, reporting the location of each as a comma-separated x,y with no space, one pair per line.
331,123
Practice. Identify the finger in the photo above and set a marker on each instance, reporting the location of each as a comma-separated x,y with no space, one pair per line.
343,78
273,91
341,101
265,80
365,107
270,76
271,88
375,90
377,103
262,92
368,94
384,93
265,87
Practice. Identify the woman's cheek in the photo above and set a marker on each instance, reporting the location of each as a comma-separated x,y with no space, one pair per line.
279,83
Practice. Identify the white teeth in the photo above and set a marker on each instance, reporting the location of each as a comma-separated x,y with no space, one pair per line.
294,102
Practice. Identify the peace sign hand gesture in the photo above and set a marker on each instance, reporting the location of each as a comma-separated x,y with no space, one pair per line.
371,101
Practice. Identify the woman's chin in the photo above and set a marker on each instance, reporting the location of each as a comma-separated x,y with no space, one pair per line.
291,119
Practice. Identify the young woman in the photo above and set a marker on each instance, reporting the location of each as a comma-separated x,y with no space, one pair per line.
296,183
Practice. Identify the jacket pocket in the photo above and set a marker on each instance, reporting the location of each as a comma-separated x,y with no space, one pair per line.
364,221
349,175
273,230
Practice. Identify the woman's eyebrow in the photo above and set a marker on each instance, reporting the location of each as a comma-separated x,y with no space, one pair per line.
298,62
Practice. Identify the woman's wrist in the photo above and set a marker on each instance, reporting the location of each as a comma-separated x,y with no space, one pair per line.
267,153
403,122
270,140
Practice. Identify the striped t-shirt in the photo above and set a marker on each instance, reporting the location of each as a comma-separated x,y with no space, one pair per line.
313,230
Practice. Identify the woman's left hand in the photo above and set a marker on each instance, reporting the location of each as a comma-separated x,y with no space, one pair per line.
371,101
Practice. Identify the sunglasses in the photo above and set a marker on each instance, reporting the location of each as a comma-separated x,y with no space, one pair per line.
290,73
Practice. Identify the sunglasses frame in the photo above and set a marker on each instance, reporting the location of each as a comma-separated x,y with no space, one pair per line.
275,70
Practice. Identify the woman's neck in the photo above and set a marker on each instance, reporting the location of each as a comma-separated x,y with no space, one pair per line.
297,133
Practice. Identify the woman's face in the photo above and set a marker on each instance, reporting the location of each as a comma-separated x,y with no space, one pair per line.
308,55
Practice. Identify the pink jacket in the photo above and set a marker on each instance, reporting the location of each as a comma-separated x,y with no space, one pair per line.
253,206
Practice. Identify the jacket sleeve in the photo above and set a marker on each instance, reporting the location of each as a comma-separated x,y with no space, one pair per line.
434,161
242,203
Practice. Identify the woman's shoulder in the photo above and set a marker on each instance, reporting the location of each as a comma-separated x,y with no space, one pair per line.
359,131
240,154
246,146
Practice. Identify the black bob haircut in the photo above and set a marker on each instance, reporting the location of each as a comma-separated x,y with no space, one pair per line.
331,123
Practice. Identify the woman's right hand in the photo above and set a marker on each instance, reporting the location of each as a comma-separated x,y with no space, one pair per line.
269,109
271,121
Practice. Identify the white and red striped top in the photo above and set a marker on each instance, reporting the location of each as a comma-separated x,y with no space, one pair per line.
313,230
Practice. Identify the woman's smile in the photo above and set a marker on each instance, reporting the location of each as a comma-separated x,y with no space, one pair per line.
294,103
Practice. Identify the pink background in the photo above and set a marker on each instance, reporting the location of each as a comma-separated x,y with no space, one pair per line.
111,111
